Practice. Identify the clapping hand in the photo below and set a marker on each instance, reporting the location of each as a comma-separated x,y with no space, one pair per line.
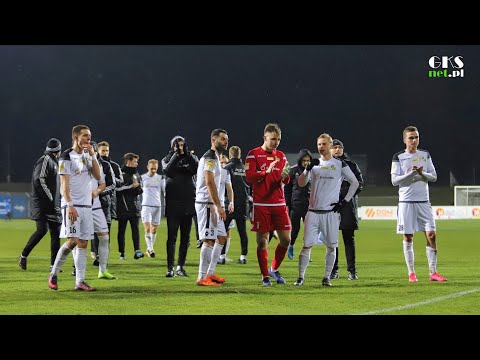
418,169
271,166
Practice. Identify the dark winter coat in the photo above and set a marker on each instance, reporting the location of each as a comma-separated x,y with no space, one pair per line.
45,198
241,189
179,171
297,197
349,213
106,195
128,200
118,182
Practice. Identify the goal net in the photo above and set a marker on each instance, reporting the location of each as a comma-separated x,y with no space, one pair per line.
467,195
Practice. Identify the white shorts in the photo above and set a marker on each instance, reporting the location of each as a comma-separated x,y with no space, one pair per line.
413,217
210,226
99,221
321,229
82,228
151,214
232,224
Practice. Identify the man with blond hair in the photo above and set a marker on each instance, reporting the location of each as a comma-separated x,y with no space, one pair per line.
323,218
153,191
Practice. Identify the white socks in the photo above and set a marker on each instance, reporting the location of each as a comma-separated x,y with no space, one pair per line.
432,259
330,257
216,251
205,258
80,260
103,252
409,256
303,261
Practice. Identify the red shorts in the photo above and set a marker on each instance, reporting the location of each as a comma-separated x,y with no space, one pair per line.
268,218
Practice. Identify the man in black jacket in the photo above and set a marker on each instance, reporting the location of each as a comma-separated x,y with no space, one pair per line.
179,167
296,197
129,205
45,202
110,201
241,190
105,198
348,213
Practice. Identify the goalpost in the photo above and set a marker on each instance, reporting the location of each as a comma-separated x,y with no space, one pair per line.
467,195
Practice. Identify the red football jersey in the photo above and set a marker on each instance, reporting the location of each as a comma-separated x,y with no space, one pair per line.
267,189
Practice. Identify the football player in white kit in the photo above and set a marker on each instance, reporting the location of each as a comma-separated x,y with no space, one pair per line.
77,165
100,226
153,191
323,219
411,171
210,212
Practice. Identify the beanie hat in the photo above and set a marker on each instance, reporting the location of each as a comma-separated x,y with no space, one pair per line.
337,142
54,145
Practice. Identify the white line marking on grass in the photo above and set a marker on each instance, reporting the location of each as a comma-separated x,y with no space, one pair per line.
421,303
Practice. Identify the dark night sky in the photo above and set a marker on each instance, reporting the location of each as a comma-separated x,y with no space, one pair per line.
138,97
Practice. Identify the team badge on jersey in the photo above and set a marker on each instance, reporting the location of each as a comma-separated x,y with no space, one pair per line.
209,165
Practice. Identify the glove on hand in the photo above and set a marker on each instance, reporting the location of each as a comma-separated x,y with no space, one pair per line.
338,205
313,163
286,170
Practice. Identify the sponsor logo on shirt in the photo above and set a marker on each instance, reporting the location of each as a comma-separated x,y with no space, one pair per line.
328,167
422,158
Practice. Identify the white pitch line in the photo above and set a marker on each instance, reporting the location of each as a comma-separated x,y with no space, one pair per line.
421,303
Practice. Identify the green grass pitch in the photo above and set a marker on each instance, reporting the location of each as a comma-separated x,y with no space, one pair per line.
143,289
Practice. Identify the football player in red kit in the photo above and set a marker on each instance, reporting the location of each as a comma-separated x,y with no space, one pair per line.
266,169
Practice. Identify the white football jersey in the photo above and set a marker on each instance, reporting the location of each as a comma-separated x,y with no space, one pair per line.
153,187
414,189
208,162
326,180
78,166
